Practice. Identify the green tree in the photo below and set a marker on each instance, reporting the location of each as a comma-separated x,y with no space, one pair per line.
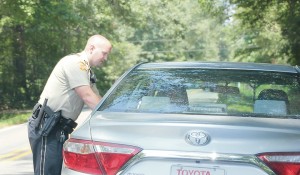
279,19
174,30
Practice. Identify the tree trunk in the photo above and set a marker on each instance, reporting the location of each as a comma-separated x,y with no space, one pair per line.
19,63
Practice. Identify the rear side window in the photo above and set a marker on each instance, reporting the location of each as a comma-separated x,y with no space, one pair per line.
196,91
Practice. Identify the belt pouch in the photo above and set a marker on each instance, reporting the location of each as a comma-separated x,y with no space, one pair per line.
68,125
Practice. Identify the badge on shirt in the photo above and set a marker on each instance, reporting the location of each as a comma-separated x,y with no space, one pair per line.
83,66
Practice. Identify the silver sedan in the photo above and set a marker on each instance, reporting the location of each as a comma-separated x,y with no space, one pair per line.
193,118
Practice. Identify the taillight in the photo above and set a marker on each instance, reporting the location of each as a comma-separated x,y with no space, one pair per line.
282,163
96,157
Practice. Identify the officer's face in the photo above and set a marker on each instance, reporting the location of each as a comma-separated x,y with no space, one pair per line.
99,55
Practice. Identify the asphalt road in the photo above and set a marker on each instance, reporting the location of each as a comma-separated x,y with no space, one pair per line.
15,152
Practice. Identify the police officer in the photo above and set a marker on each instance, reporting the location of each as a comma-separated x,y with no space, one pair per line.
69,87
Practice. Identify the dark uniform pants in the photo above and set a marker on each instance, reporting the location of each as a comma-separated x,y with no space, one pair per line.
46,150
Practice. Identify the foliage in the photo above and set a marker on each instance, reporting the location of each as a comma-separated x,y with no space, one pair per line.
277,23
35,34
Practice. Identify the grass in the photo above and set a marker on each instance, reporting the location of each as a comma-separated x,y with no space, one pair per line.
13,118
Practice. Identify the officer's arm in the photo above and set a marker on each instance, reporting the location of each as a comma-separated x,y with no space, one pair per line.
88,96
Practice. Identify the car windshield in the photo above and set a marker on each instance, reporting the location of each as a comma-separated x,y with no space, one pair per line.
209,92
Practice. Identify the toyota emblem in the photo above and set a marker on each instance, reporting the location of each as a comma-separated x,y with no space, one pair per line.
197,138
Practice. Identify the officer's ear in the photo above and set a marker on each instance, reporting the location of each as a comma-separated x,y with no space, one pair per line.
91,48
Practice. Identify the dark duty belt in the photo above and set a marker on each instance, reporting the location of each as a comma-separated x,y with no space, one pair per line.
46,120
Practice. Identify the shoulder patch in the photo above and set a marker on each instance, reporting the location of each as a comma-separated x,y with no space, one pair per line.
83,66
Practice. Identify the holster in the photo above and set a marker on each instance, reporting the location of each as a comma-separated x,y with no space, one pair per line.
51,119
38,113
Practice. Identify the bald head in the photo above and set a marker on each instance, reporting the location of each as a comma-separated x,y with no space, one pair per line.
98,41
97,49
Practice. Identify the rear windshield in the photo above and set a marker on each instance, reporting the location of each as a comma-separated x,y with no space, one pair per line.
210,92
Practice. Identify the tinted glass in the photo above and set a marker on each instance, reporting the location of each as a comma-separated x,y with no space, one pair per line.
222,92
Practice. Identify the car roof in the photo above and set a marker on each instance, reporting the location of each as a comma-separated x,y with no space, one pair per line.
222,65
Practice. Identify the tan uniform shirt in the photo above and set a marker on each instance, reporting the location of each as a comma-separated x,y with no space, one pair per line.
70,72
